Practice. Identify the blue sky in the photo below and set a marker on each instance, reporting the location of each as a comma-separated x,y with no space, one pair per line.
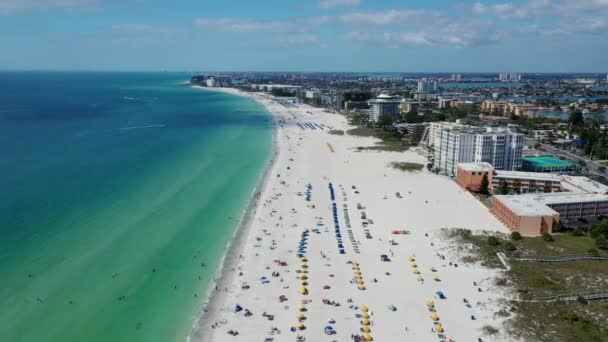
305,35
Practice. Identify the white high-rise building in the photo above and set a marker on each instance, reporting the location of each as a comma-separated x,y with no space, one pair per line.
455,144
427,85
503,76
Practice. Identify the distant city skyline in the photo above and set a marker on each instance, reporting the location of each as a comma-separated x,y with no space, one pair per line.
303,36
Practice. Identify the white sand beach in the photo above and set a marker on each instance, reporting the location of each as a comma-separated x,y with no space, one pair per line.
256,280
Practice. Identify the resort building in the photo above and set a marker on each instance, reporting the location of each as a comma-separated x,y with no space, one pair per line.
500,147
384,104
547,164
535,214
349,100
469,176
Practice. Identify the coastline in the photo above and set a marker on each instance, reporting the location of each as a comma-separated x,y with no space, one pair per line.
279,216
226,270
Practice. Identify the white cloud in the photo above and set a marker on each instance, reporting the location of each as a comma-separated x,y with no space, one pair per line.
389,17
338,3
243,25
142,28
528,9
14,6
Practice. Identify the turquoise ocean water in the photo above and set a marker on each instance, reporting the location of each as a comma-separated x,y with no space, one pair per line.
119,193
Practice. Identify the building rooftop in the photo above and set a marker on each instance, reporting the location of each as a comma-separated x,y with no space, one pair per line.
548,161
476,167
583,184
528,175
537,204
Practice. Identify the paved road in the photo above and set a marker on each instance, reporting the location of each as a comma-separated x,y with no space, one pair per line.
592,166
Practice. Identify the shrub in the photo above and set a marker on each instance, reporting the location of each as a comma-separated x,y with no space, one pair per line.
548,237
581,300
578,231
601,242
593,251
493,241
516,236
509,247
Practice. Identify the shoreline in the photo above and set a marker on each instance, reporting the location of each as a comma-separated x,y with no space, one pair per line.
226,270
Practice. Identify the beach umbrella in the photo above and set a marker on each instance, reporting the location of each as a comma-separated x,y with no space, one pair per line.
360,281
300,326
303,290
436,278
439,328
413,264
411,258
366,329
358,273
304,266
364,308
361,287
304,258
301,316
434,317
365,321
303,277
367,337
433,269
419,278
365,315
415,271
304,283
430,304
301,307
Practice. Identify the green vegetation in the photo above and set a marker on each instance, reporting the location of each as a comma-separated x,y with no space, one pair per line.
545,321
407,167
336,132
485,185
599,232
390,140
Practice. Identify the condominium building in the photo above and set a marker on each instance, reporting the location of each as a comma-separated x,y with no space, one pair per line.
427,85
452,144
383,104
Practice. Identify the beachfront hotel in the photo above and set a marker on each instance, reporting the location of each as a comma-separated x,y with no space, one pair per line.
383,104
455,143
469,176
536,214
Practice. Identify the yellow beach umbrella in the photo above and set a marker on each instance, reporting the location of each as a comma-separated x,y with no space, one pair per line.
357,272
304,270
367,337
419,278
430,304
365,321
439,328
432,268
304,265
303,277
301,316
434,317
301,307
355,263
366,329
415,271
364,308
300,326
361,287
436,278
304,283
411,258
303,290
304,259
365,315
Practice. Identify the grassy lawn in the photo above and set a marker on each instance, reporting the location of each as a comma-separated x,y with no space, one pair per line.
407,167
546,321
390,141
